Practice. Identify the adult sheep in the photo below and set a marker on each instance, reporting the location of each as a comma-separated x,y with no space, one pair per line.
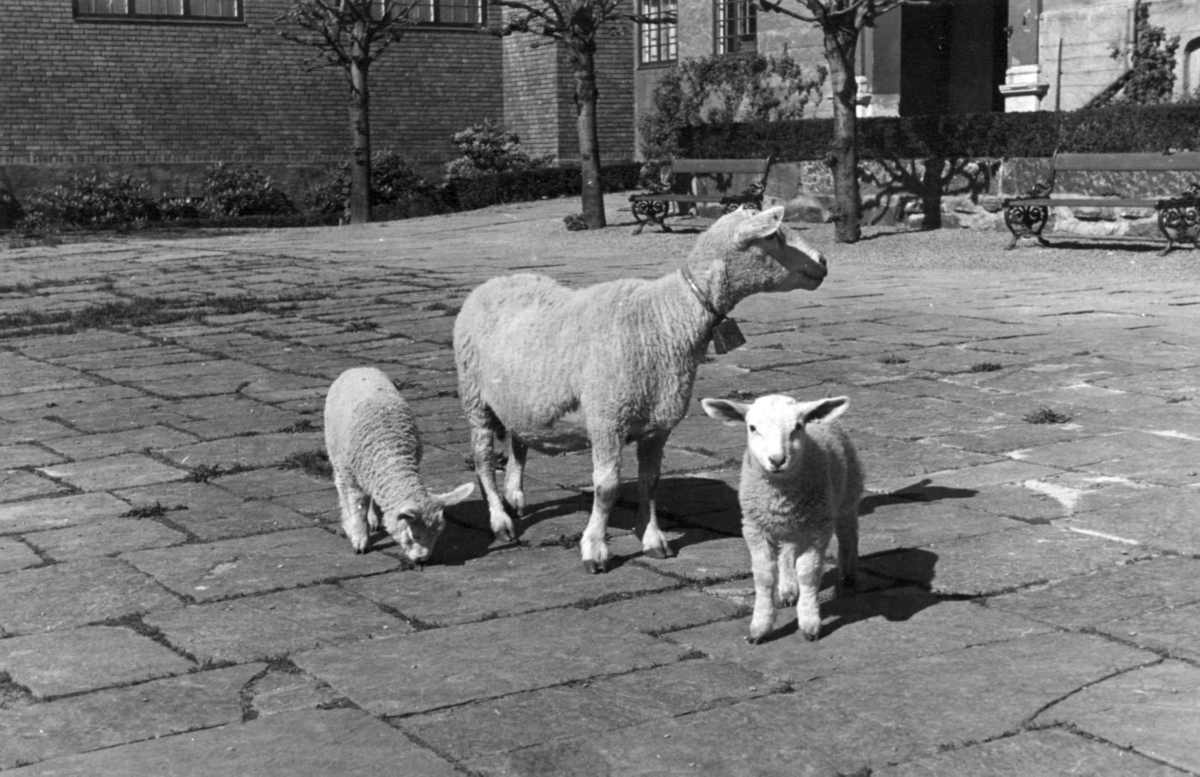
623,353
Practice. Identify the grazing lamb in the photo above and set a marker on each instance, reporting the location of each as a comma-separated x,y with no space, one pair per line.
375,449
801,482
624,353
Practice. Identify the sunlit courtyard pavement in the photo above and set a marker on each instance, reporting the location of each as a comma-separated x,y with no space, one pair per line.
176,595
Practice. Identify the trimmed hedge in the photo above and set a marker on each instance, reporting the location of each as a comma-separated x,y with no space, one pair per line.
535,184
1119,129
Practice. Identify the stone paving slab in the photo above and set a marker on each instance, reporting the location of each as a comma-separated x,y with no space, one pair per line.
83,659
860,632
16,555
75,593
1162,519
104,538
227,568
501,584
259,627
209,512
334,741
1036,752
118,716
851,721
1153,710
437,668
100,445
585,709
1002,561
124,470
40,514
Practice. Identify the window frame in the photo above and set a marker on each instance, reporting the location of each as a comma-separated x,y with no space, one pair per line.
480,7
747,16
186,17
662,39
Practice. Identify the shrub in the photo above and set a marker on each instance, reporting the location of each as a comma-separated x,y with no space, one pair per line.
1121,128
10,210
91,200
489,148
720,90
241,190
394,183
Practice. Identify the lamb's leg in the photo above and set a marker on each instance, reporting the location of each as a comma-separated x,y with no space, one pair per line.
650,456
354,503
483,445
847,537
606,477
809,563
788,587
514,473
765,567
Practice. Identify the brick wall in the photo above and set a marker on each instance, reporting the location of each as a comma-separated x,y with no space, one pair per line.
80,94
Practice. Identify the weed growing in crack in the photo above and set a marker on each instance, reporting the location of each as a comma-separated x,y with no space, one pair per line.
360,325
314,462
1045,415
156,510
206,472
892,358
303,425
986,367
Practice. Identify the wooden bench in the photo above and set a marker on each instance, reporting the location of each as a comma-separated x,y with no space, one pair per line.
1178,216
690,182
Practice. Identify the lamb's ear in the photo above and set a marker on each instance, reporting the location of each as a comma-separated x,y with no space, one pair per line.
455,496
725,410
823,409
759,226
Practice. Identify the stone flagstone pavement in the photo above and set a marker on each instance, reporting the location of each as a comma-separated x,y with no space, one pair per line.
176,596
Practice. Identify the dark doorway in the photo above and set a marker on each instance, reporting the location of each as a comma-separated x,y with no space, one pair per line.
952,57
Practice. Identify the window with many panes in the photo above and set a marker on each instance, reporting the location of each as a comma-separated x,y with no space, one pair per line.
160,9
737,26
657,42
450,12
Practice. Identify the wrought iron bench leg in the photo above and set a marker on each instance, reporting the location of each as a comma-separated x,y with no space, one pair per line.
1179,221
1026,221
650,212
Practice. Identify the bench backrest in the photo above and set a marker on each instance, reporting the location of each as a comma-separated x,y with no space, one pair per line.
1184,161
721,166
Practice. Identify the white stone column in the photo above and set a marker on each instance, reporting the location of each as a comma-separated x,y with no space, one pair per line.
1022,89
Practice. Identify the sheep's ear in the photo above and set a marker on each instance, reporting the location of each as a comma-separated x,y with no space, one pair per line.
455,496
759,226
823,409
725,410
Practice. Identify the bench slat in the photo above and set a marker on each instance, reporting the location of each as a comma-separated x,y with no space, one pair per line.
720,165
1079,202
679,197
1127,162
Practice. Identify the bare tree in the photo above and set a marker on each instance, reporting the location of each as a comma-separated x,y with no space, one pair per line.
350,34
841,23
575,25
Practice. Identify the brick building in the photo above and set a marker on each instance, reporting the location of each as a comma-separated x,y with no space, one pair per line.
163,88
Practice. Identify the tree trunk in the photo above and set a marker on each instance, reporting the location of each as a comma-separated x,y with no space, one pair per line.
586,97
842,158
360,128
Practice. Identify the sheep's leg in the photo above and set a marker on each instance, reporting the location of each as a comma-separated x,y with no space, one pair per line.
483,446
354,503
788,587
847,537
765,567
606,477
808,576
650,456
514,473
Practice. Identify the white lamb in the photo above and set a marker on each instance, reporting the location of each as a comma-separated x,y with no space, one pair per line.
801,483
624,353
375,450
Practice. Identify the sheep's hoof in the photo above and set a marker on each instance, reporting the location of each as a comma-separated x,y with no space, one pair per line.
810,637
659,553
753,640
505,535
592,567
788,598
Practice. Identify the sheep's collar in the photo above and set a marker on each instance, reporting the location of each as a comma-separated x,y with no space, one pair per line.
725,333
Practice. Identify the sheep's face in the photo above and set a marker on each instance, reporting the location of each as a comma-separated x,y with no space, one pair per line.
417,525
775,436
416,532
766,255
